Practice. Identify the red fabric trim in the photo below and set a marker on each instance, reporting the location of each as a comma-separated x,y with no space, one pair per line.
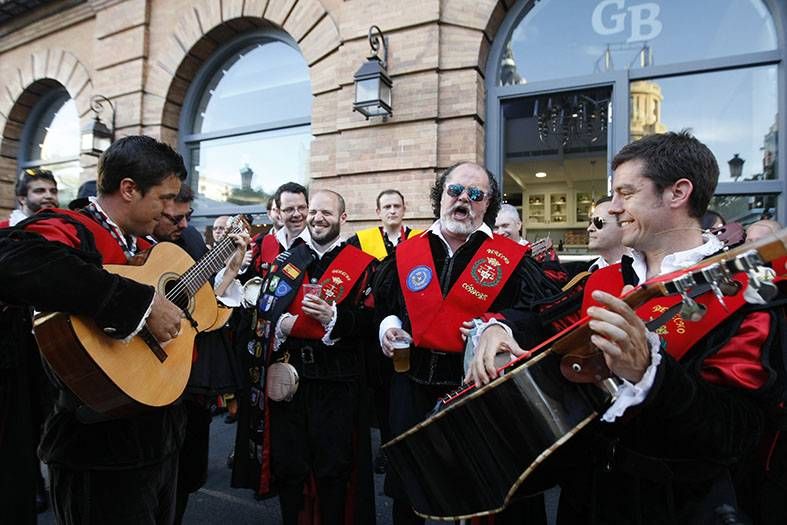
435,320
5,224
338,279
738,363
264,251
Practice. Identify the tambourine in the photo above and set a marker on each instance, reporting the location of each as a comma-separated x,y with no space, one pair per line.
281,381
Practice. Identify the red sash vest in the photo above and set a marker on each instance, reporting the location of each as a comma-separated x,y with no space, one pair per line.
678,334
435,320
338,280
59,230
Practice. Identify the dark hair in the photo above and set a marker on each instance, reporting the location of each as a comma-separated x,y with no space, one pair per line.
143,159
186,194
290,187
602,200
494,192
29,175
269,206
390,191
670,156
710,217
339,199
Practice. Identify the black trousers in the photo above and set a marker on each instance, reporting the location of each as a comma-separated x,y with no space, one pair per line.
313,434
140,496
193,462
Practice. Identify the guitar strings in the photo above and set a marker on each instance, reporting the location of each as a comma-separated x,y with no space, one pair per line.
211,261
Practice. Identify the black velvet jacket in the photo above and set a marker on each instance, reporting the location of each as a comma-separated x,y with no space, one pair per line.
344,359
668,460
51,276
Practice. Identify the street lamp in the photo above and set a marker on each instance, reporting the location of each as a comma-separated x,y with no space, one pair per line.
372,83
96,136
736,167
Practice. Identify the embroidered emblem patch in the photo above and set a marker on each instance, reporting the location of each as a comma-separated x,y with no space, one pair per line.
274,283
419,278
487,271
291,270
333,289
283,289
266,302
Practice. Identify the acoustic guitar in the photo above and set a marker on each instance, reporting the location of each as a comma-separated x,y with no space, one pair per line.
481,445
119,378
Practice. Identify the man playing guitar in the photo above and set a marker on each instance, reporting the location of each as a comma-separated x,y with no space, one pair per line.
686,410
105,469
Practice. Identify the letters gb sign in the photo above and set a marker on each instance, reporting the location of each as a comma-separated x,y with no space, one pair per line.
609,18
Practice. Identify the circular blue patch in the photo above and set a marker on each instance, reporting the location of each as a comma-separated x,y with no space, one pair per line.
419,278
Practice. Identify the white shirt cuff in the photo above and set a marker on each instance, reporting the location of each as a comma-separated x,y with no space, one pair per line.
630,394
233,295
142,322
278,334
326,339
391,321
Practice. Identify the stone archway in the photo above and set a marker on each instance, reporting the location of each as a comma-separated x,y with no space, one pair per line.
38,74
207,24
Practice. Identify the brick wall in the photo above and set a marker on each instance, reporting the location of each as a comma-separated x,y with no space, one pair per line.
143,54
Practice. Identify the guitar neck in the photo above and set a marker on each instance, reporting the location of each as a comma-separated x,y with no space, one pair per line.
210,263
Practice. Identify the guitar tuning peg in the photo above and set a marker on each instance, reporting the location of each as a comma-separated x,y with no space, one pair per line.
691,309
719,295
766,289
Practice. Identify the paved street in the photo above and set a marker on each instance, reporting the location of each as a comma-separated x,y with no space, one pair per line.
217,503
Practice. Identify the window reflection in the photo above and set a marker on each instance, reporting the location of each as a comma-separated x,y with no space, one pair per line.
745,209
264,83
740,119
247,169
55,144
606,35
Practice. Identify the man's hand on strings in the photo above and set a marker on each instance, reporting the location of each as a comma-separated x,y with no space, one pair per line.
494,340
164,319
621,335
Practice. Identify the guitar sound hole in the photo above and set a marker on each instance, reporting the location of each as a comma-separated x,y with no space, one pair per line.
181,298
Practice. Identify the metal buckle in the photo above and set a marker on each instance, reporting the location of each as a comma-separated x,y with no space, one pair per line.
307,355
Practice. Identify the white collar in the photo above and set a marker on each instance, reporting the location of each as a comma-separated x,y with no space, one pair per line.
131,246
435,229
16,217
678,260
281,236
320,251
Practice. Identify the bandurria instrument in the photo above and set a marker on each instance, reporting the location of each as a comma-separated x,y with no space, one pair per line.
481,445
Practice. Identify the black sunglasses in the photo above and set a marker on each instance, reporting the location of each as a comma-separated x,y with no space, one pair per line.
598,222
473,193
175,219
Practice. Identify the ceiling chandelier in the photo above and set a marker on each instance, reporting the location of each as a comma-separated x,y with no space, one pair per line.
571,118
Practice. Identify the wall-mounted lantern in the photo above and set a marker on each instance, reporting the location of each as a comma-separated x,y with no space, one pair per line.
372,83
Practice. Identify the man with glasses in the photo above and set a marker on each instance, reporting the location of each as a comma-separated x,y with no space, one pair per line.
605,235
439,285
215,369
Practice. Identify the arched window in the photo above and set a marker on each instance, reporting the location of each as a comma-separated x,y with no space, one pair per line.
50,140
246,123
570,83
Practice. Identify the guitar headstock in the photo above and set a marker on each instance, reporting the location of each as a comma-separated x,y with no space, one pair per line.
717,272
238,224
539,248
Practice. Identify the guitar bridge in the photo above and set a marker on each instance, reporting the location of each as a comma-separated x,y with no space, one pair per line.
154,345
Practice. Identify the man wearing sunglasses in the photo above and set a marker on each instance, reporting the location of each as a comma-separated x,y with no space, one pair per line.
438,285
604,235
693,396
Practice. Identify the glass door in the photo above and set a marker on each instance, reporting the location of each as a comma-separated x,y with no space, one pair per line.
554,158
